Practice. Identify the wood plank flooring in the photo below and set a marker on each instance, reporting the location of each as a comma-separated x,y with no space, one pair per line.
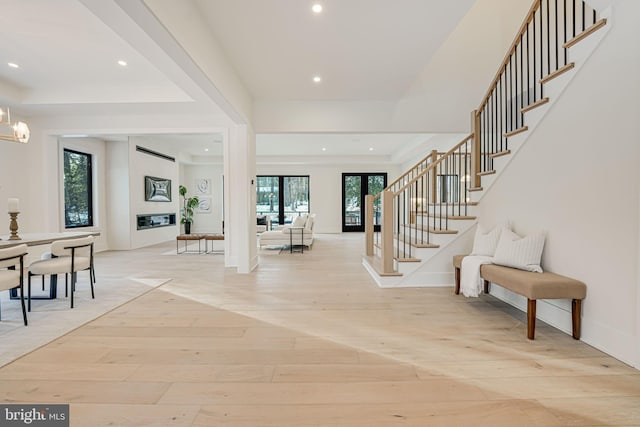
310,340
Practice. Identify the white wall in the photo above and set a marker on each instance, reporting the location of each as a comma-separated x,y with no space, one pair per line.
205,222
577,179
325,187
119,208
141,165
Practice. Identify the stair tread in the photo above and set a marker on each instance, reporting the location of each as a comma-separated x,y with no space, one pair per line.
534,105
474,189
485,173
376,263
418,245
500,153
450,217
516,131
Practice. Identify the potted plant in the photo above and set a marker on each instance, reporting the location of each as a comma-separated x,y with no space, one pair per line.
188,205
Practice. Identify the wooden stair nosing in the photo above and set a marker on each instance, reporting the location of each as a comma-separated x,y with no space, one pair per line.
500,154
375,263
586,33
474,189
485,173
429,228
516,131
418,245
407,259
536,104
450,217
453,204
557,72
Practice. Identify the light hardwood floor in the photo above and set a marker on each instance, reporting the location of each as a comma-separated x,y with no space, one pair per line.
310,340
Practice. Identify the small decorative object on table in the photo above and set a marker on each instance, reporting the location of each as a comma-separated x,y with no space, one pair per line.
13,224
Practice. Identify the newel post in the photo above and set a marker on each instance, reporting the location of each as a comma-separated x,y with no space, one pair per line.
475,149
386,232
368,223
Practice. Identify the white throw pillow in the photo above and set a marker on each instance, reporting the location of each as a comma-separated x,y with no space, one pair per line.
485,243
523,253
300,221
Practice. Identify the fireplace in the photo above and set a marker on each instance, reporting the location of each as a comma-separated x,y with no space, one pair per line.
146,221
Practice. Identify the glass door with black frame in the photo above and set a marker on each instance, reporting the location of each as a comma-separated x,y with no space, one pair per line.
355,186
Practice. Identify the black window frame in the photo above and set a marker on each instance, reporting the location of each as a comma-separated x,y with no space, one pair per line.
281,178
89,187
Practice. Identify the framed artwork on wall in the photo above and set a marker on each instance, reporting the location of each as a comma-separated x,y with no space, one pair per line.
203,186
204,205
157,189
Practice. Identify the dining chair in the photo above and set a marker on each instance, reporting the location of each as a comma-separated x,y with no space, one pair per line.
68,257
12,272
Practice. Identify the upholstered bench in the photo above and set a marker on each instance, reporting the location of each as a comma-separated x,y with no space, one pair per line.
211,238
186,238
534,286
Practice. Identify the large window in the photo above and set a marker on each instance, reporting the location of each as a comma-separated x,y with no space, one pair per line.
282,198
78,197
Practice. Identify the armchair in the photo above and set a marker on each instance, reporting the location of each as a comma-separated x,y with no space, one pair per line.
12,272
67,257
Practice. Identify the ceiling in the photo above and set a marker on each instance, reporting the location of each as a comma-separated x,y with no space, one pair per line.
68,52
362,49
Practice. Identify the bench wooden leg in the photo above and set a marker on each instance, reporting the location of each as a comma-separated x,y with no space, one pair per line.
486,286
531,318
576,308
457,280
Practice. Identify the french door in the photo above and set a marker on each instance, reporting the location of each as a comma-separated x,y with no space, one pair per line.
355,186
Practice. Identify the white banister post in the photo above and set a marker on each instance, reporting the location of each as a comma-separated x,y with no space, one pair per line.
368,223
387,232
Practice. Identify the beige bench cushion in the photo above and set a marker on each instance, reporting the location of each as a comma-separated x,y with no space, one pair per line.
457,260
534,285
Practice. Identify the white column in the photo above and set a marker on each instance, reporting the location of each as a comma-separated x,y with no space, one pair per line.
240,199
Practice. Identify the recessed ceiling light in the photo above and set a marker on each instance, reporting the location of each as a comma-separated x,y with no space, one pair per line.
13,65
316,8
317,79
122,63
206,149
324,149
370,148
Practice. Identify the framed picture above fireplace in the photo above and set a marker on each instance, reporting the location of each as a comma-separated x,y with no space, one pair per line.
157,189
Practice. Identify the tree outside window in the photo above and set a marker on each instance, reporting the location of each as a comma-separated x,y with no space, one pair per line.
78,198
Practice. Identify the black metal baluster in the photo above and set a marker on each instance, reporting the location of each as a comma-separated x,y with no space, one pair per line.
528,65
564,27
583,16
541,54
535,83
520,113
427,176
466,176
556,35
574,18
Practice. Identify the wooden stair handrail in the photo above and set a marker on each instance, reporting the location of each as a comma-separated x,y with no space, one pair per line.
507,57
434,164
388,187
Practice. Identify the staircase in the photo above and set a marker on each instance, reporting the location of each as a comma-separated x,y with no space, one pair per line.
427,214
